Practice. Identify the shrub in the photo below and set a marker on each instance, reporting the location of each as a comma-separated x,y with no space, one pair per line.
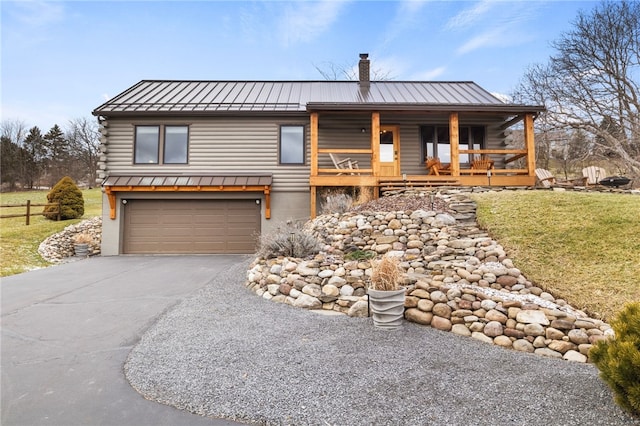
618,359
288,239
360,255
70,198
337,202
386,273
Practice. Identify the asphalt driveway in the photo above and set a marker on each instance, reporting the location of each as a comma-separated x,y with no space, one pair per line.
67,331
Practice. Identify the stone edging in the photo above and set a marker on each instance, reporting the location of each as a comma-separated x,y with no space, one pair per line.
457,279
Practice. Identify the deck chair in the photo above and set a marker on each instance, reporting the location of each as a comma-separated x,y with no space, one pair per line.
436,168
547,180
593,174
344,163
481,165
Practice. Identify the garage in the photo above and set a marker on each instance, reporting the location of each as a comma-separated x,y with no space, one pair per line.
182,226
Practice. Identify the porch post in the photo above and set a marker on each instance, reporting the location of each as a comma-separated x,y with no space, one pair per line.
375,143
529,141
454,141
313,160
314,143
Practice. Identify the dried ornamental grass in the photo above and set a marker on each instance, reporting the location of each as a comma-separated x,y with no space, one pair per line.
82,238
288,239
365,195
337,202
386,274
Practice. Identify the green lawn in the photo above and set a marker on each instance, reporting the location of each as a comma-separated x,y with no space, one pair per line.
581,247
19,242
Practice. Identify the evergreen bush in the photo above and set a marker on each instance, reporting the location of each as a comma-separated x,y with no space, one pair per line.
618,359
67,193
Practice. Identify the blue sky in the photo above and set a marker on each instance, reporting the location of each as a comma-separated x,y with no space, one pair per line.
60,60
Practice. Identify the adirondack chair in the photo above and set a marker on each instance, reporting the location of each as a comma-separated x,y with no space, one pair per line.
481,165
436,168
547,179
344,163
593,174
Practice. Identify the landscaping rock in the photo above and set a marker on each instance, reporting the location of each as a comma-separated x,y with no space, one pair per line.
457,278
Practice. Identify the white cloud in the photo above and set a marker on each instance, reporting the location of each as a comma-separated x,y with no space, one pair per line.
405,18
305,21
37,13
470,15
488,38
490,27
431,74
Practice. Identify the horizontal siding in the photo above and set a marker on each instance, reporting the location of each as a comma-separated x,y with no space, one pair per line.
250,145
221,145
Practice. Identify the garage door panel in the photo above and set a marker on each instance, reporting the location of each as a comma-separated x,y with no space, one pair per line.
191,226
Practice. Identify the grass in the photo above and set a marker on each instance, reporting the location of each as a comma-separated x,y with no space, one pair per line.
19,242
581,247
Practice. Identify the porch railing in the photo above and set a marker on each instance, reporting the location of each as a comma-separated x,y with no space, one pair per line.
344,152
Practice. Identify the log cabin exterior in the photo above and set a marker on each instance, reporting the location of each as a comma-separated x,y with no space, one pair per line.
203,166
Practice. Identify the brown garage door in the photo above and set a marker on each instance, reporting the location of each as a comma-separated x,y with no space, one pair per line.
190,226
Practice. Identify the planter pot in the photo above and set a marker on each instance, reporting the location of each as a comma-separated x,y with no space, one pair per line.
81,250
387,308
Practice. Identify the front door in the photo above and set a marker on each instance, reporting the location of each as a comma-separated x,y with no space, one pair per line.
389,151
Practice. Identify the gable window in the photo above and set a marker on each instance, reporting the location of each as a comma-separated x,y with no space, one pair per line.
169,143
292,145
437,143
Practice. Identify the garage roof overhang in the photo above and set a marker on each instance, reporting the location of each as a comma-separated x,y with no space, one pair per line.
187,183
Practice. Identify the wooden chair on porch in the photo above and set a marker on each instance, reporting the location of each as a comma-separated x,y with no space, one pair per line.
481,165
344,163
436,168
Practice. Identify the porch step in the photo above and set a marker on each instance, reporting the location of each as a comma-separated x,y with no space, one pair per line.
393,184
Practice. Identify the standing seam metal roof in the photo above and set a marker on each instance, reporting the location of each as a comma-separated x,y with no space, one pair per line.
153,96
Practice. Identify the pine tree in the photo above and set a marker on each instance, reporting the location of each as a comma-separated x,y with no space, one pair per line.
60,158
34,158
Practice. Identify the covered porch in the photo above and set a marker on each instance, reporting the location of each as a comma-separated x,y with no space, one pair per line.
383,162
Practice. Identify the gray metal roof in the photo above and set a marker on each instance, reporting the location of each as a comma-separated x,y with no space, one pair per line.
188,180
210,97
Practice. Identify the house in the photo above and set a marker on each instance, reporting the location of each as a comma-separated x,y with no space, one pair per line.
204,166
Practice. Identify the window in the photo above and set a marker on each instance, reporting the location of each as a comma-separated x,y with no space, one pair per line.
436,142
292,146
170,143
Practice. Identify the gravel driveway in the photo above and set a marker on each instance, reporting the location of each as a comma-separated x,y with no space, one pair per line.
225,352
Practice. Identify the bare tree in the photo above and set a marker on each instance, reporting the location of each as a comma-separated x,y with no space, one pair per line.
83,136
333,72
593,77
14,130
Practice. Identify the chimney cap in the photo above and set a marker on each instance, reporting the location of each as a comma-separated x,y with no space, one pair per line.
364,55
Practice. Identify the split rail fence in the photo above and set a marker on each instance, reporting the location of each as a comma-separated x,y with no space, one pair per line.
28,212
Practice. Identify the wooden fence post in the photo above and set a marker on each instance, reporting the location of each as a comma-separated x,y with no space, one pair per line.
28,210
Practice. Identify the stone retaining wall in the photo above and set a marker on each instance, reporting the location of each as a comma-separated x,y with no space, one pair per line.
457,279
59,247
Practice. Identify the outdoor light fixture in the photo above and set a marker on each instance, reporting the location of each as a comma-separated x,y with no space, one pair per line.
363,130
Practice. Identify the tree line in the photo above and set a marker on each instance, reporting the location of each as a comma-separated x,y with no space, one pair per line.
30,159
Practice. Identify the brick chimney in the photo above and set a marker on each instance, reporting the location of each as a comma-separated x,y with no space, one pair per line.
364,67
